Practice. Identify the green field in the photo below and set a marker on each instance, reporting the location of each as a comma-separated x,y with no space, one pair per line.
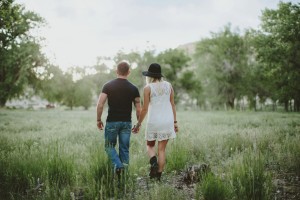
55,154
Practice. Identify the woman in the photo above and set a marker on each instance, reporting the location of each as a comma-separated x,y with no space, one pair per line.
161,123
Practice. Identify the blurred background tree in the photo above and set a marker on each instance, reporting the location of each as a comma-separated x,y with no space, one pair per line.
278,49
20,52
224,60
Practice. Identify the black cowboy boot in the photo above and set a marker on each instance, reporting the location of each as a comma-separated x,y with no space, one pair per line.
158,175
154,167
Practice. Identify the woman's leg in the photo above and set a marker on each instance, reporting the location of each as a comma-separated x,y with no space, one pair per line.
161,154
153,158
151,148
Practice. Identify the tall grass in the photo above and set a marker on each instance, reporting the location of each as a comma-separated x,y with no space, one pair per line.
249,178
65,151
178,156
213,188
60,168
162,192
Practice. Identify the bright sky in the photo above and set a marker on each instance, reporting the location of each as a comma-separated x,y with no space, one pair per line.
79,31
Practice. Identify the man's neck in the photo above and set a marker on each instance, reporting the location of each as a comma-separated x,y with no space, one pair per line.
122,77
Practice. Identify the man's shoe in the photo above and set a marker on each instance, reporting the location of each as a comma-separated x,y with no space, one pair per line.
120,176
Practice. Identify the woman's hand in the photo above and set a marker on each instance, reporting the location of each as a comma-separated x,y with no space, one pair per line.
176,126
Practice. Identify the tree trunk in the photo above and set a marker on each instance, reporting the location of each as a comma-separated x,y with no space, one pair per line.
290,105
231,104
273,106
252,104
296,105
286,106
2,102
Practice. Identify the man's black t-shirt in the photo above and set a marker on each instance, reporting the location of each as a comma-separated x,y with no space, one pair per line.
120,94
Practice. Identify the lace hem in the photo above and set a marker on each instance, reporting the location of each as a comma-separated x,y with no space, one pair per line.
161,135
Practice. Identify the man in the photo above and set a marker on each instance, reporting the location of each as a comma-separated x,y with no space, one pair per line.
121,94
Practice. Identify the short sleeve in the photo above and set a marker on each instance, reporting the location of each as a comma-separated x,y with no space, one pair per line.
137,93
105,89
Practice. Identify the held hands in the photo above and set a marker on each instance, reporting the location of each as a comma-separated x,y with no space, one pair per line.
136,128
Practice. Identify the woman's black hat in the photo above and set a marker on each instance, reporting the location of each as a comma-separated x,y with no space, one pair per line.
154,71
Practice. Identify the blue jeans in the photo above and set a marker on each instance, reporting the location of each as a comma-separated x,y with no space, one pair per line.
114,131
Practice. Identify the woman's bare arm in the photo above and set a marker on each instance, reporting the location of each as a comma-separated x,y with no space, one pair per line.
173,109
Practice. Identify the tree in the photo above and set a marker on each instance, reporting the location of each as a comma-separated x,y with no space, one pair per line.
223,59
278,49
20,52
62,88
103,74
84,92
174,64
52,84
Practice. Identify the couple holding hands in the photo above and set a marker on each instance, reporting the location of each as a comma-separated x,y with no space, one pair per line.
158,103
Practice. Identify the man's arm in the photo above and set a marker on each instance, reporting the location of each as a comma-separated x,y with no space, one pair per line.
144,109
100,106
137,104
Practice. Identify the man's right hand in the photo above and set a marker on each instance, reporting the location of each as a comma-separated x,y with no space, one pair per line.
100,125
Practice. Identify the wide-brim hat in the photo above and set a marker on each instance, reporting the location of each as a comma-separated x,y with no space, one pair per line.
154,71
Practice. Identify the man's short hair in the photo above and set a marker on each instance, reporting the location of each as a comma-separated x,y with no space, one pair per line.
123,68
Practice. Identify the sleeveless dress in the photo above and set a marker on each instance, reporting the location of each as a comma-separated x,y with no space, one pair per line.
160,122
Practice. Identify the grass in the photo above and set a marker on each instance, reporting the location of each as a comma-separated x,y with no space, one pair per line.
213,188
65,151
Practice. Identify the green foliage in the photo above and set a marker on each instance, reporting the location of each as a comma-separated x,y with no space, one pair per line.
174,64
103,74
290,157
278,48
20,168
60,87
163,192
60,169
52,84
236,143
249,178
178,155
20,54
102,173
223,59
83,92
64,148
213,188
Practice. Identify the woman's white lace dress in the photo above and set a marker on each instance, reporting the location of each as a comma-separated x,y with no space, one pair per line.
160,123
